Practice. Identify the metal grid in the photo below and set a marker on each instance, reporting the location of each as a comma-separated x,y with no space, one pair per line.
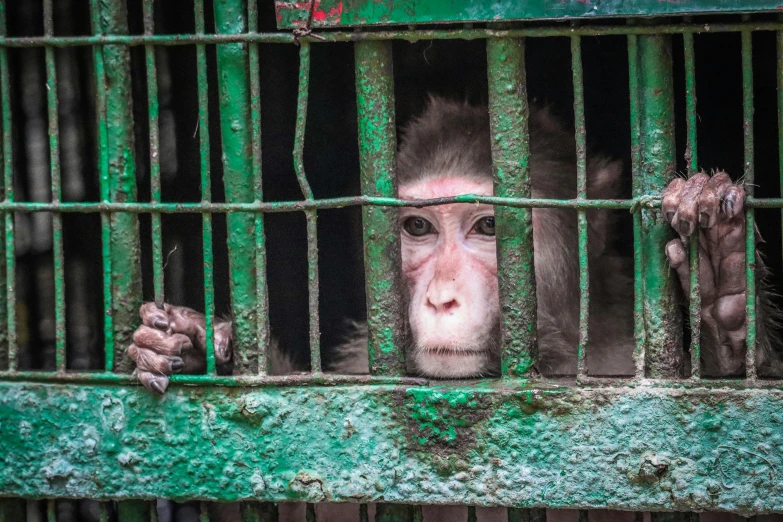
652,155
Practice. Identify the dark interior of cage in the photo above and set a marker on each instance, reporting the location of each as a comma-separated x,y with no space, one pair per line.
451,68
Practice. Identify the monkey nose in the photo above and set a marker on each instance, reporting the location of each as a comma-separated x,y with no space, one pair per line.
443,306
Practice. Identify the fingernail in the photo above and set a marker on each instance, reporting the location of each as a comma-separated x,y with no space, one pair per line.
670,216
177,365
158,387
704,220
161,324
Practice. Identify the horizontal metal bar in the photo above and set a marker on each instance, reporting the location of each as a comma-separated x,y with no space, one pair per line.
332,379
303,379
647,202
518,439
409,35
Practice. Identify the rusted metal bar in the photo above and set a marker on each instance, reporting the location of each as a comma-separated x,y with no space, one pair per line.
9,259
133,511
750,218
310,215
508,112
206,187
692,160
235,125
634,87
526,515
385,512
664,353
118,176
377,149
262,299
581,193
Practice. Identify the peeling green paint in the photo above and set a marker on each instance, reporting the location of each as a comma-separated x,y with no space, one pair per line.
644,448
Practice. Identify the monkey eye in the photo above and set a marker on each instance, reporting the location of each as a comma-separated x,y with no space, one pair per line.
485,226
417,226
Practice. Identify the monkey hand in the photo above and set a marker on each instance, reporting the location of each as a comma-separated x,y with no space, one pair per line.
173,340
716,205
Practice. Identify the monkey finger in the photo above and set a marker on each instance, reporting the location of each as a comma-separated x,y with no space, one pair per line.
687,214
671,198
730,312
153,382
223,342
186,321
153,316
711,199
161,342
678,260
193,362
149,361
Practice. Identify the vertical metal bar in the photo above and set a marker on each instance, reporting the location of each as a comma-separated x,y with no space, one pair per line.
418,513
584,515
206,186
526,515
133,511
472,514
750,221
508,116
377,154
234,95
310,512
54,171
103,512
262,299
259,512
779,35
8,185
103,173
692,159
393,512
118,176
634,87
363,515
662,322
312,231
51,510
203,512
154,136
581,193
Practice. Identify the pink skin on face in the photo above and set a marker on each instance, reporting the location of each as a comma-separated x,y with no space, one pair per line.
450,267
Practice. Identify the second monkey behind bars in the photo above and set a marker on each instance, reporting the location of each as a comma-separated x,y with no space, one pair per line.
449,267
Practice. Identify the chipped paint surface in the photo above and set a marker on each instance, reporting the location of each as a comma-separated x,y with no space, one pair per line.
345,13
643,448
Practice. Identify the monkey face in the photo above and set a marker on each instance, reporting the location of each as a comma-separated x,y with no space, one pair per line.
450,270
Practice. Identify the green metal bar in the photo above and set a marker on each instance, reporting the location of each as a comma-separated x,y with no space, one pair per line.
54,171
674,517
154,137
647,202
634,87
51,510
377,153
750,221
103,172
312,230
262,298
385,512
472,514
779,36
363,515
581,190
133,511
662,323
692,159
407,34
508,112
310,512
259,512
418,513
206,188
8,187
526,515
117,115
235,123
584,515
203,512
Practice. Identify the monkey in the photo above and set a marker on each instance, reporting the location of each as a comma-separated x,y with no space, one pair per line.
449,265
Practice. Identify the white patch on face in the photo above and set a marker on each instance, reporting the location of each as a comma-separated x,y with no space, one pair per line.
450,268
